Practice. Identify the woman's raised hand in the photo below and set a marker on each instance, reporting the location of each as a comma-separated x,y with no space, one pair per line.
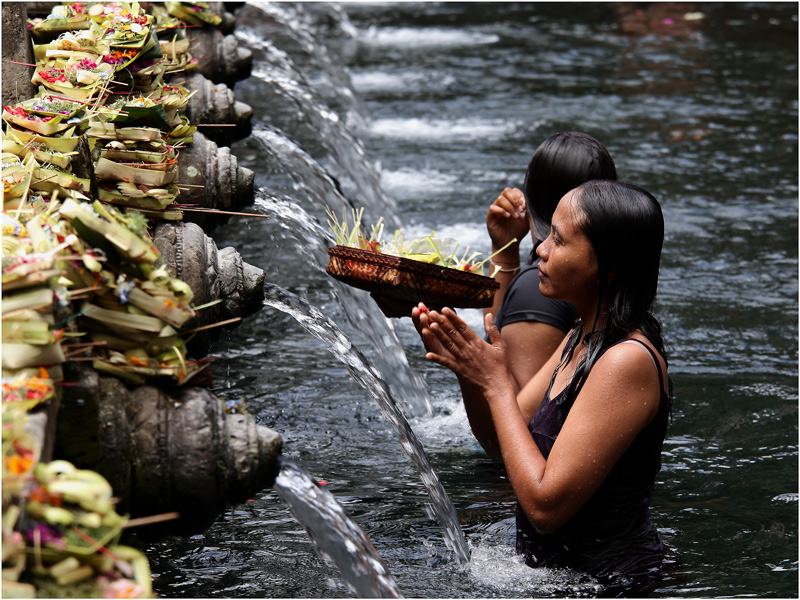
507,218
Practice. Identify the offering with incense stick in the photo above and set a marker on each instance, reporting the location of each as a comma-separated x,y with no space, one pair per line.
427,269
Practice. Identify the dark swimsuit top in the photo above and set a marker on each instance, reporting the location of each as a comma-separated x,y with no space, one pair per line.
611,535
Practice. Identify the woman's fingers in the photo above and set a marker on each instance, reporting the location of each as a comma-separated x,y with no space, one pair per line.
450,329
421,317
513,200
503,207
491,329
506,218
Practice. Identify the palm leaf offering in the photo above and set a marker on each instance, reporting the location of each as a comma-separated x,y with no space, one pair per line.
64,522
62,19
63,142
195,13
41,153
98,251
16,174
81,278
427,269
174,45
41,124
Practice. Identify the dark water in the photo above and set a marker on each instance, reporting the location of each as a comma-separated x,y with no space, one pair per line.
702,113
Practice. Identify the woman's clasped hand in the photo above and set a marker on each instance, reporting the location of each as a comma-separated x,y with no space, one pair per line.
450,342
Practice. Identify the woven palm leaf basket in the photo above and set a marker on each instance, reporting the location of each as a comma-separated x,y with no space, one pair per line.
410,280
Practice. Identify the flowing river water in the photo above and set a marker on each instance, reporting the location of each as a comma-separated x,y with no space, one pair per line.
422,113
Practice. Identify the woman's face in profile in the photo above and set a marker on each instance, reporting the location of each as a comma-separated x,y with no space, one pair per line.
568,269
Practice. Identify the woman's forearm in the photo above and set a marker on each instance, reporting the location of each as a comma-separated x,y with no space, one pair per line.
503,268
480,418
524,462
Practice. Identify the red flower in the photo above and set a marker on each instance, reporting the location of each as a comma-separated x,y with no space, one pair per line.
52,75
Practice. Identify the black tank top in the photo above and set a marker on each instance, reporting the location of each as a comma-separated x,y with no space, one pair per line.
611,537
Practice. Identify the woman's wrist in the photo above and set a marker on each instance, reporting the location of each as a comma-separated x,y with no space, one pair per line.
506,257
502,267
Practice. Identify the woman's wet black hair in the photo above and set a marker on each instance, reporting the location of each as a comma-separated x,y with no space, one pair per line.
625,227
561,163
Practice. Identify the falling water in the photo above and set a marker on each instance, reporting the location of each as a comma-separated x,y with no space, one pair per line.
368,377
295,24
313,241
345,151
315,185
337,538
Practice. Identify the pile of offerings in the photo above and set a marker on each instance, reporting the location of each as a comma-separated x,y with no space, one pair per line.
81,278
60,529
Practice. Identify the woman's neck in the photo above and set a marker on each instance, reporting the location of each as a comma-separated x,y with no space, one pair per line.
592,317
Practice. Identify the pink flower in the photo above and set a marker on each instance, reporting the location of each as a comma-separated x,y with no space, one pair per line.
121,588
47,534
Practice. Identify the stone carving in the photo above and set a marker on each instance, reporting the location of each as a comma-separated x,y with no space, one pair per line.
220,58
216,104
163,451
212,178
212,274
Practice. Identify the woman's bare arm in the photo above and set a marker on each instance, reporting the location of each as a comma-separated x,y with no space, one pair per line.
619,398
529,345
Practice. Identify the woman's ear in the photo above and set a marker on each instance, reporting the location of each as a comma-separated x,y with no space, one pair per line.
610,277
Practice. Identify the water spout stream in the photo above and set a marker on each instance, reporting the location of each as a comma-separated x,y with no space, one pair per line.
367,376
313,241
295,24
344,150
335,535
306,173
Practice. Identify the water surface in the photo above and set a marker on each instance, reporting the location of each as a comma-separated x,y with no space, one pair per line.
702,112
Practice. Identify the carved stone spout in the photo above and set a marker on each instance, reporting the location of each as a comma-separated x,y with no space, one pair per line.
212,274
219,56
162,452
212,178
215,103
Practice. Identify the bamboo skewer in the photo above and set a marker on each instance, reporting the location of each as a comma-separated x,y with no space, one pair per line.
220,324
85,290
95,544
222,212
79,348
151,519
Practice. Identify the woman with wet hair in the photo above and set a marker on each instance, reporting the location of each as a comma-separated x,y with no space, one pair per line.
581,441
533,325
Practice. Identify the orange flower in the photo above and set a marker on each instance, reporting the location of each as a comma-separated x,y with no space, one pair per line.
122,588
18,465
39,494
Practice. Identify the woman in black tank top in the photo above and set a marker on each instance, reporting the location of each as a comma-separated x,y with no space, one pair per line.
581,442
